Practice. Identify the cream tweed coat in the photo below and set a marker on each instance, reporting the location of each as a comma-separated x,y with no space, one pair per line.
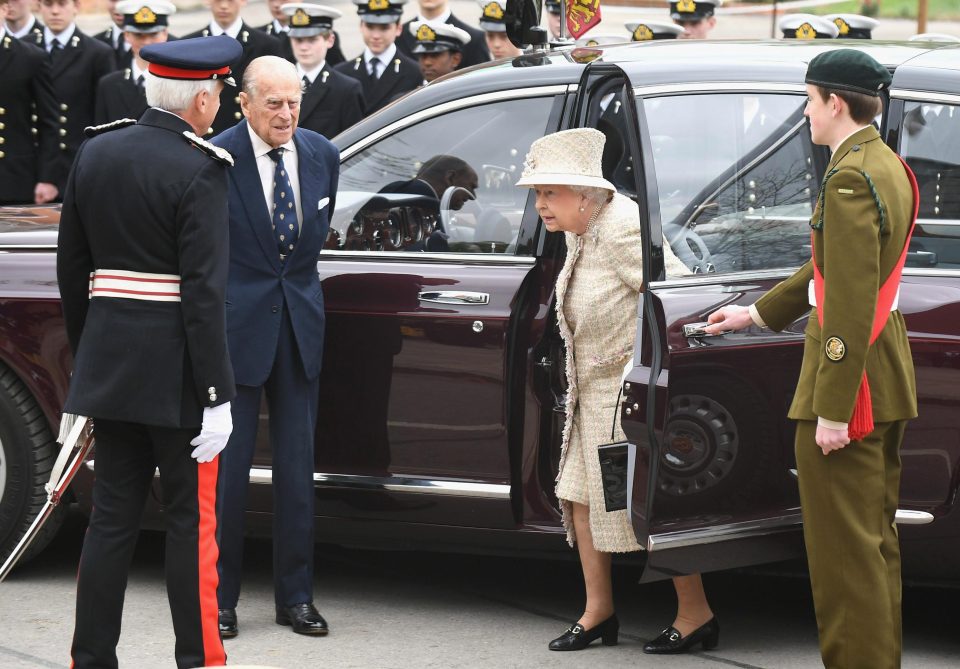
597,294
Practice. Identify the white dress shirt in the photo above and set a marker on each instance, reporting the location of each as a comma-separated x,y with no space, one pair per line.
267,168
385,58
312,74
24,30
279,28
63,37
437,21
233,30
116,36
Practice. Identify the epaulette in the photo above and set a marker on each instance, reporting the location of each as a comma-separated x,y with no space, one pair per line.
94,130
821,203
212,150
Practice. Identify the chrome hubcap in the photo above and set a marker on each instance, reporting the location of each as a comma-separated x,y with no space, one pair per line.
701,443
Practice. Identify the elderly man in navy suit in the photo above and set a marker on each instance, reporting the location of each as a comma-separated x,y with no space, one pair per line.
281,195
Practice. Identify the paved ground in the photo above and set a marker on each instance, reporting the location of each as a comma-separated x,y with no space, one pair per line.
732,26
389,609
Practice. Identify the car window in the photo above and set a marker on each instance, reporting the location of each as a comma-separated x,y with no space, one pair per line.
446,184
930,143
736,179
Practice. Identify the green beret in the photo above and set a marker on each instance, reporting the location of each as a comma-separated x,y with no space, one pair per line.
848,70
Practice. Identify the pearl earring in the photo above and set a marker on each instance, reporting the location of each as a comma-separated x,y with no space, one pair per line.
582,209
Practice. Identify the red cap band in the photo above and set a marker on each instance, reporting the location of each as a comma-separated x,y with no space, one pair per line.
167,72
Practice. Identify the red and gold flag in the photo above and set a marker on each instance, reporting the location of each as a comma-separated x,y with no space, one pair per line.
582,15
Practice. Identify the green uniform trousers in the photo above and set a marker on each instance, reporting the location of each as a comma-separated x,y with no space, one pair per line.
849,502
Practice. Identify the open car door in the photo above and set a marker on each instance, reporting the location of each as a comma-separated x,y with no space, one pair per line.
712,477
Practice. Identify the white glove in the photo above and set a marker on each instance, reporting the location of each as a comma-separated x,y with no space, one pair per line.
214,433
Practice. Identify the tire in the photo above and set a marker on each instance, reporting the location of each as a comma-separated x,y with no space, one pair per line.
719,446
27,453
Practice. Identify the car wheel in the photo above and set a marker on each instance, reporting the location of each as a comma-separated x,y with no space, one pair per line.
27,453
717,445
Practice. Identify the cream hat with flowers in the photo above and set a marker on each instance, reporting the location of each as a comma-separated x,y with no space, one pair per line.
566,158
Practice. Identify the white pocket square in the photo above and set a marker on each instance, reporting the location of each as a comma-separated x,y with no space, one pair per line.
323,203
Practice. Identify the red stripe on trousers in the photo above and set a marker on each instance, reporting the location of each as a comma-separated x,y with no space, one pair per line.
213,653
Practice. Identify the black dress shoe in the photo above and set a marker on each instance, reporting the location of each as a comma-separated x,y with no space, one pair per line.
304,618
228,623
670,641
578,638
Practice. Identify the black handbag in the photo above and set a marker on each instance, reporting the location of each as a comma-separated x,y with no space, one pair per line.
613,468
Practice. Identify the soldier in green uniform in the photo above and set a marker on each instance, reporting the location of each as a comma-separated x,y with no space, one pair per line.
847,450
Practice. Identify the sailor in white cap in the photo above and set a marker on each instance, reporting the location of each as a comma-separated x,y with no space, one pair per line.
494,29
383,71
696,17
332,101
642,31
807,26
853,26
121,94
439,48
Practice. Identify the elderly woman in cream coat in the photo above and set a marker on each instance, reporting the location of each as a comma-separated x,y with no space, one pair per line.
597,295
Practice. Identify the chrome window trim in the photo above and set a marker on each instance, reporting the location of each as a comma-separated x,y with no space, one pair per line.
930,271
924,96
28,247
428,258
409,484
781,273
725,532
452,105
720,86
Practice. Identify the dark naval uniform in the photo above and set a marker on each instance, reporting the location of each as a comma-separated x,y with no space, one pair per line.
28,122
255,43
123,54
474,53
401,75
75,73
331,104
144,369
120,96
849,497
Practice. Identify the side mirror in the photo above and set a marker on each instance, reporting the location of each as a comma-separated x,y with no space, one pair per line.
522,19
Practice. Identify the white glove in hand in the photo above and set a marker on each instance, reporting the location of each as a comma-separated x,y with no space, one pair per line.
214,433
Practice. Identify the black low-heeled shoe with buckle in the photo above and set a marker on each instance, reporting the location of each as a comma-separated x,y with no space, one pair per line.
577,637
672,642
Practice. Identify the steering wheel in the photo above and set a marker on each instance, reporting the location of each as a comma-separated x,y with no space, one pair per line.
692,251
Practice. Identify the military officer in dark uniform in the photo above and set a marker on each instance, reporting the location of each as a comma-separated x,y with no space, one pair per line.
381,69
696,17
142,279
113,36
857,388
279,27
436,12
77,63
439,48
22,24
807,26
494,29
255,43
332,101
121,94
28,122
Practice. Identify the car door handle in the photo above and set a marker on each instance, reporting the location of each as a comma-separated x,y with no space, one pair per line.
454,297
697,330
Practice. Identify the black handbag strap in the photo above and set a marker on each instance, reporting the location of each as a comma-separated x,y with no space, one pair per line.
616,412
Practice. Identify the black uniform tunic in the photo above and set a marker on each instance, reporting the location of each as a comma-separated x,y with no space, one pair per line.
400,75
119,96
332,103
28,122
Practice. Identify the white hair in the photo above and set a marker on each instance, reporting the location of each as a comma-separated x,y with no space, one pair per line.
175,95
595,194
267,67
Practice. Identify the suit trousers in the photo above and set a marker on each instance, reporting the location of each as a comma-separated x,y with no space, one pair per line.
849,502
292,405
126,457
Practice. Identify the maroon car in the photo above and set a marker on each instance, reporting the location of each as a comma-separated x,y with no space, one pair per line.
441,404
